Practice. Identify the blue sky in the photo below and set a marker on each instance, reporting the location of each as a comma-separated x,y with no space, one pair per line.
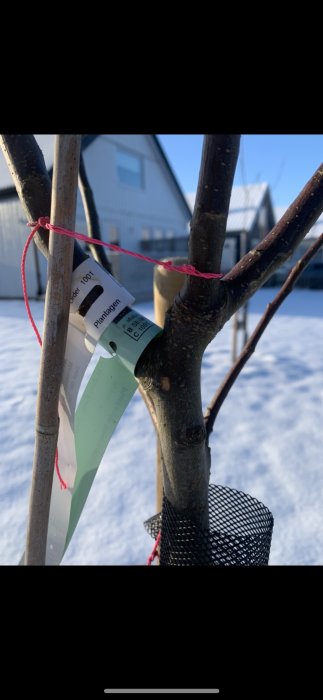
286,162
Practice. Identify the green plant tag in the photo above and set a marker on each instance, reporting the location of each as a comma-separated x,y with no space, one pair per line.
105,399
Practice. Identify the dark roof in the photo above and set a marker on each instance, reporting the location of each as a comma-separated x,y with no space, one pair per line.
8,192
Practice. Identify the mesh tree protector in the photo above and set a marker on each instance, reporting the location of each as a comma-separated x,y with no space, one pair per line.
239,533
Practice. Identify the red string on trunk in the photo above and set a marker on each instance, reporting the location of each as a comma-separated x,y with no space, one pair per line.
30,316
43,222
154,552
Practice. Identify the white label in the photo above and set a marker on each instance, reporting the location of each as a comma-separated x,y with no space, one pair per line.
82,327
113,299
77,358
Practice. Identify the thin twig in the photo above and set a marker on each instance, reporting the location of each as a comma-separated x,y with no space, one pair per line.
66,164
92,217
222,392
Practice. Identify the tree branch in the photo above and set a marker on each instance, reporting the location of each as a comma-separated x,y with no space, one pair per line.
33,184
92,218
250,273
223,390
208,226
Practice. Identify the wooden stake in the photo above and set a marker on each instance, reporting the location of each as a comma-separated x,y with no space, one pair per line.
240,318
57,303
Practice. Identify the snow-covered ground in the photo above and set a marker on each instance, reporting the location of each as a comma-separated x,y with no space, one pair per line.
268,439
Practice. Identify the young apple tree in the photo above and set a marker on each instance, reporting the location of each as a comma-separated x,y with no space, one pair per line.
170,367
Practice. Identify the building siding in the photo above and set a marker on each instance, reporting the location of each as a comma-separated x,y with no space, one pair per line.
156,210
13,234
156,204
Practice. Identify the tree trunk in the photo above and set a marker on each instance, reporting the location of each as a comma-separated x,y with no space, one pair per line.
167,285
171,366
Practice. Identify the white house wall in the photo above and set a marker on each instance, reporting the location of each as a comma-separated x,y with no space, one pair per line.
157,201
229,255
156,207
13,234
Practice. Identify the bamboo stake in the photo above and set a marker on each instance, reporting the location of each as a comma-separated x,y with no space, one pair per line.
64,193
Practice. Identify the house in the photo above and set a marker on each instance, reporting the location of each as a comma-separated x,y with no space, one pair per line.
140,205
312,276
251,217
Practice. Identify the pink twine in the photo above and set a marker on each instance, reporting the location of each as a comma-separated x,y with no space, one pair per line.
184,269
154,552
24,289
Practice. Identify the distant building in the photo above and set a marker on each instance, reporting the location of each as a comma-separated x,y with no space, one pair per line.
140,205
312,276
251,217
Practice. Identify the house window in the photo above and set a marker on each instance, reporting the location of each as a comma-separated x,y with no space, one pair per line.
114,235
158,239
170,241
129,169
145,241
262,218
145,234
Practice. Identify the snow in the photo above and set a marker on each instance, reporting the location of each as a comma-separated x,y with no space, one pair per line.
267,441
